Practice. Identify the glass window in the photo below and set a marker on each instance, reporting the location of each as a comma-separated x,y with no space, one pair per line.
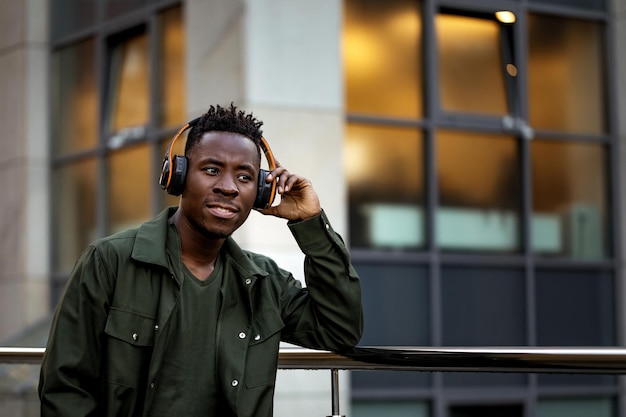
500,410
583,315
396,310
569,202
576,407
583,4
173,87
483,307
369,408
128,98
74,96
384,166
565,75
130,187
479,191
382,57
71,15
74,222
119,7
471,74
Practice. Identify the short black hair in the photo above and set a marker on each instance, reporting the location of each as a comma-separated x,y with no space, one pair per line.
225,119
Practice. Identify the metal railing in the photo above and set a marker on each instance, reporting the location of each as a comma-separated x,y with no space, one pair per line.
582,360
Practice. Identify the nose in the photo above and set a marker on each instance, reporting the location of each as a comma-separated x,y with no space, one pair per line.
226,185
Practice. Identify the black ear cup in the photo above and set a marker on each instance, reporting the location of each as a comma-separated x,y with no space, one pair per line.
179,174
264,192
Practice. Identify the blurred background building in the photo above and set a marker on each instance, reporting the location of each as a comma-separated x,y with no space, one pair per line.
470,152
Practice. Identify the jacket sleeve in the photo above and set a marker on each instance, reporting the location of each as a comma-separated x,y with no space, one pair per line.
68,384
328,313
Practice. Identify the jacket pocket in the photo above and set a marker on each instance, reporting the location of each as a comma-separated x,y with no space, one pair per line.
129,343
262,356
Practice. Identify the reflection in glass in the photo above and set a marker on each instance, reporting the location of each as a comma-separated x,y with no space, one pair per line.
74,98
173,69
71,15
384,166
569,198
565,82
128,95
382,57
74,222
471,75
129,176
479,191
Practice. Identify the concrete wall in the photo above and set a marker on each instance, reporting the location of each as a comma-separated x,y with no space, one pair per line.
24,203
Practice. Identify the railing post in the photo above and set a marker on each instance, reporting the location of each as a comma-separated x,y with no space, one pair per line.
334,387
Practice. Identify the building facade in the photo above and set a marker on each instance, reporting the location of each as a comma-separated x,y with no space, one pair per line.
470,153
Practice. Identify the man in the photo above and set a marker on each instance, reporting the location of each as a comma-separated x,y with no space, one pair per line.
174,318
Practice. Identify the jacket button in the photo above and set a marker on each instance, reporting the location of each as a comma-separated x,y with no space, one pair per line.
248,281
135,336
257,337
152,385
242,335
234,383
156,327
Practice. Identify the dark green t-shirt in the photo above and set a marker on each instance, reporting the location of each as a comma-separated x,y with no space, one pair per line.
188,373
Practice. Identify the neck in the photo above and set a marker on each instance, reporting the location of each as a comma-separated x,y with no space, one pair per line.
198,251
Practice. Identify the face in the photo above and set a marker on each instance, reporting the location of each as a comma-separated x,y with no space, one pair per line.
220,187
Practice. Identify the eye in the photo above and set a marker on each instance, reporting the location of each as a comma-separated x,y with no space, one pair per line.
244,177
211,170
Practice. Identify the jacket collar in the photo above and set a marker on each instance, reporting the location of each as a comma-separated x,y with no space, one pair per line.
150,243
150,246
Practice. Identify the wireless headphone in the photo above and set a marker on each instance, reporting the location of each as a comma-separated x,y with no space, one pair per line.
174,172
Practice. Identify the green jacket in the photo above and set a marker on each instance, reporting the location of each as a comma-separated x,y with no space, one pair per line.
111,325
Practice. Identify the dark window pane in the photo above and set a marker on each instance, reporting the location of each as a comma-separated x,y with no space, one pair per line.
471,72
74,94
382,57
575,308
119,7
400,408
569,203
513,410
71,15
565,75
384,166
396,313
483,307
74,224
479,192
583,4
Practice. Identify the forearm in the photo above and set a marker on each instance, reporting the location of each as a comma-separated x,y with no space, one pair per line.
333,285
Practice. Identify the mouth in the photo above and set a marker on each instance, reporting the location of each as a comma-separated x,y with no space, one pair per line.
222,211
